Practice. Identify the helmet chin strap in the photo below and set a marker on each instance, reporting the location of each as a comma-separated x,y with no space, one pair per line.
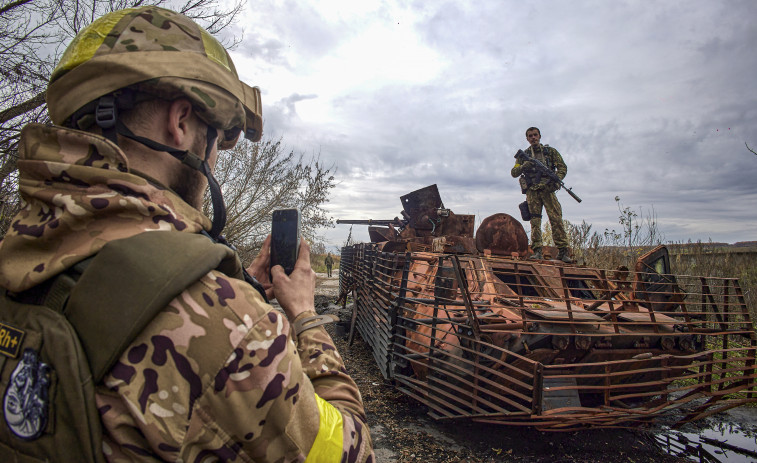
106,117
111,126
216,196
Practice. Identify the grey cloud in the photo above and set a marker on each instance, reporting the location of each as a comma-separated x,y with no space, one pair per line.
289,102
639,98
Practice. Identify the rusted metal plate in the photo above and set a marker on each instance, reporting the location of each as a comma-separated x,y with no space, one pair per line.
645,317
421,205
563,314
379,234
502,234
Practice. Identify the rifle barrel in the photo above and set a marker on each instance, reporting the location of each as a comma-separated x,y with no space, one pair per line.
573,195
366,222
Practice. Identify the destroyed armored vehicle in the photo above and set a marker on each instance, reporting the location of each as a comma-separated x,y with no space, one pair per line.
469,326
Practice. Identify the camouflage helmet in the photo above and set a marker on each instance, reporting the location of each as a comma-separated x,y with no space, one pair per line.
161,53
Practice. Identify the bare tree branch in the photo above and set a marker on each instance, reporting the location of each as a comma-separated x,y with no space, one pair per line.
22,108
257,178
13,5
750,149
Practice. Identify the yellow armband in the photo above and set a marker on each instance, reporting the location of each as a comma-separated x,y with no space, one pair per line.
327,447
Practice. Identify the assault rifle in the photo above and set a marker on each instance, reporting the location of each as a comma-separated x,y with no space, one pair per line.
544,170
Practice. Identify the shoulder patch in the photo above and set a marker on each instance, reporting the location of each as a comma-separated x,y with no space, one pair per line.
10,340
26,401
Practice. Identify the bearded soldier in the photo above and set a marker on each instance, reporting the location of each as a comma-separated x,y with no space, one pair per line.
142,100
540,193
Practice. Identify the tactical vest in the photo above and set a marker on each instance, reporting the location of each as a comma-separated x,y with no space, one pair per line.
58,340
535,177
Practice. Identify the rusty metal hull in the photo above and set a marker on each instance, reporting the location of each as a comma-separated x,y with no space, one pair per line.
515,342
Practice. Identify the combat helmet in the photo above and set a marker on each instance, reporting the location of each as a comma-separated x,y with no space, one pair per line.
148,52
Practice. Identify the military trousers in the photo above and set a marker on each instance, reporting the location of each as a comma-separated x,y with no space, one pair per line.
547,200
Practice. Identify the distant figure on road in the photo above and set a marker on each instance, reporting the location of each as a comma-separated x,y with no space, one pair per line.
329,262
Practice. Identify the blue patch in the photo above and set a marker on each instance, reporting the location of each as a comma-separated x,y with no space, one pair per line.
26,402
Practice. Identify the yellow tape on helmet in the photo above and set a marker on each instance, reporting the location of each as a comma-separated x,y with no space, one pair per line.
86,42
215,51
328,443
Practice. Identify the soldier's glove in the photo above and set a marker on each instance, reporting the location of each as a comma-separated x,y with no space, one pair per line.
528,165
552,187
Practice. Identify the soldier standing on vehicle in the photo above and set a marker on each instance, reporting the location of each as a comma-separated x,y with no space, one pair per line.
540,193
142,100
329,262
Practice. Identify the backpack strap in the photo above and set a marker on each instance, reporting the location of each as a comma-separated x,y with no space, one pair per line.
60,287
130,281
52,293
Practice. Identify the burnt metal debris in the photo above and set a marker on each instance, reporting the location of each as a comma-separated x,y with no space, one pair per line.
472,329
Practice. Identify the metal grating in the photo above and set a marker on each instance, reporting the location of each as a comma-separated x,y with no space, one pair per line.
515,342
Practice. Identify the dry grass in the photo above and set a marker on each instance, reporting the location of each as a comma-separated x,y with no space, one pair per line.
717,261
639,232
696,259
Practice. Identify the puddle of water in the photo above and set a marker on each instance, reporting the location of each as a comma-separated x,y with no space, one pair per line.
725,442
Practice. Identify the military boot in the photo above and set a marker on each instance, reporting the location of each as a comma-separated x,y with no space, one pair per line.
562,255
536,255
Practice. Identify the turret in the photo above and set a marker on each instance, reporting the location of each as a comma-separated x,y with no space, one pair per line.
426,225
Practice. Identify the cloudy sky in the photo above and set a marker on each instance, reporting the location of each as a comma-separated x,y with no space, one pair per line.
651,101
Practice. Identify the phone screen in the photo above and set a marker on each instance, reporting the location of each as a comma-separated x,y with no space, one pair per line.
285,238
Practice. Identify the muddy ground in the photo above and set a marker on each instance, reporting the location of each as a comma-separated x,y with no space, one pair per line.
402,432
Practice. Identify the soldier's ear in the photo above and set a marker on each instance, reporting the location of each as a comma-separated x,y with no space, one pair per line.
180,124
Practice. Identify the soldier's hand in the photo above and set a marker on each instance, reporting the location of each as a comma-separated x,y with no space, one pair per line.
296,291
538,187
259,268
528,165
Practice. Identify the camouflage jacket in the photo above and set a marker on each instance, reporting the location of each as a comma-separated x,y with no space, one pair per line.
217,374
547,155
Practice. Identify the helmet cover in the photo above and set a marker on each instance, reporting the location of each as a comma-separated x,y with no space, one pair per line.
161,53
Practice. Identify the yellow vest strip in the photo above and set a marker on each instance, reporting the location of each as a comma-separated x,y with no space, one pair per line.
327,447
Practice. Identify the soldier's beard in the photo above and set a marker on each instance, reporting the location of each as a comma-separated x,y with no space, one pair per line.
190,184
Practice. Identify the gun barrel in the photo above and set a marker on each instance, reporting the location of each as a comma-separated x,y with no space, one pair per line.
367,222
573,195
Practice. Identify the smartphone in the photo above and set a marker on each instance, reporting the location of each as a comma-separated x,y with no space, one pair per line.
285,238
